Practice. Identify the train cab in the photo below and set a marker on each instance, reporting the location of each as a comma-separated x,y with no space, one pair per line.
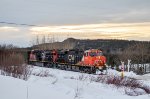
46,56
32,55
54,55
93,57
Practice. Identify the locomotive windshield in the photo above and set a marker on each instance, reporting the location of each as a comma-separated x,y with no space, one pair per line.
100,54
93,54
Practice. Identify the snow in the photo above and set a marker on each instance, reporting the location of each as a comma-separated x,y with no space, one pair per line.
127,74
47,83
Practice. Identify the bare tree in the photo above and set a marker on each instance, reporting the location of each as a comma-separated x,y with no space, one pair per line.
43,40
137,53
37,40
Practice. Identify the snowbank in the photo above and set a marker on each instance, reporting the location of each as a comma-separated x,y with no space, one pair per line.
47,83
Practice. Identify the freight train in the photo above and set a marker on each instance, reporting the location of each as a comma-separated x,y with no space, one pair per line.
88,61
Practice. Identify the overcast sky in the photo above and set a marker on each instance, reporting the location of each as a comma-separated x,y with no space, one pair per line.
123,19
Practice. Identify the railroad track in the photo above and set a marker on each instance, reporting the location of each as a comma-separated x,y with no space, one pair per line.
69,67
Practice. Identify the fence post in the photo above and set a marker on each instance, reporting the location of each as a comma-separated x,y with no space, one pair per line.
128,65
122,69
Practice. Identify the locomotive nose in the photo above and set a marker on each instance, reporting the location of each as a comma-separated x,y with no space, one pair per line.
104,59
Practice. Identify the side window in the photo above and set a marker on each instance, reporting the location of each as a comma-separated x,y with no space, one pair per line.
86,54
93,54
100,54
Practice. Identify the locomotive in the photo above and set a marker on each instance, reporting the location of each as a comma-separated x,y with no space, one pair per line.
89,61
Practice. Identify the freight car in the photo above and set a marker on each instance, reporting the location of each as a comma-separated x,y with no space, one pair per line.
89,61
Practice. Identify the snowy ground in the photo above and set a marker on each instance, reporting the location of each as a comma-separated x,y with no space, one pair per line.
59,84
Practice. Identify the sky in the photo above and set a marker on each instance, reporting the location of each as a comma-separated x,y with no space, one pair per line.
82,19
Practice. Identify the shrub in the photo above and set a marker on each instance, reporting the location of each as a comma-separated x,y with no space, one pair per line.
125,82
13,64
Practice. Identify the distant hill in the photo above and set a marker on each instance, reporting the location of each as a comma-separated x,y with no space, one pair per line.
107,45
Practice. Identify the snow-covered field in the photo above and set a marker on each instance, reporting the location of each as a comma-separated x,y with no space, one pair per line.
47,83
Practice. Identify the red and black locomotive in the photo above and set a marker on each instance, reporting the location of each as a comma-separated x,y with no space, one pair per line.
77,60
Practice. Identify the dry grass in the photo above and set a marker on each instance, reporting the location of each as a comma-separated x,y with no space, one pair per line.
125,83
78,92
13,64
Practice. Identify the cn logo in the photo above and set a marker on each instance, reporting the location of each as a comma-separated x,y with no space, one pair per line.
71,57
